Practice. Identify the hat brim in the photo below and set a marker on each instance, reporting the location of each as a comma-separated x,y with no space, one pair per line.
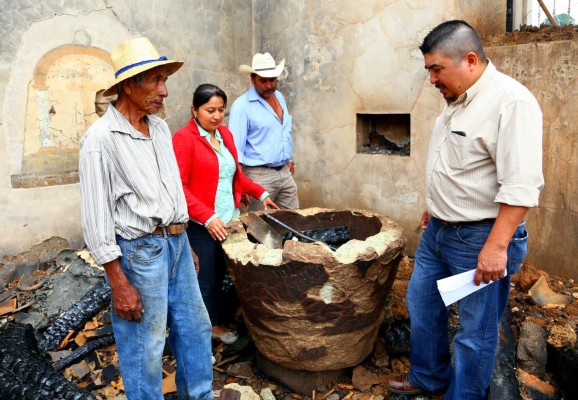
172,67
269,73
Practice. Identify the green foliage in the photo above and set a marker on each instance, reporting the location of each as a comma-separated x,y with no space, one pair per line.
562,19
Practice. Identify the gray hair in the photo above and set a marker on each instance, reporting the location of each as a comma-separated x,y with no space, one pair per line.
137,79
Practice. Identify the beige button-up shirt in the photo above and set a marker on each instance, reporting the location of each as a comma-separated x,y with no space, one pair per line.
129,183
486,149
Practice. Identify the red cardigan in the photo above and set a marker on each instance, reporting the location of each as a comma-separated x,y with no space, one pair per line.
199,169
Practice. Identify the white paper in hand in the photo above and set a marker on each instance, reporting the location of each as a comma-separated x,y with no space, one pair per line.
458,286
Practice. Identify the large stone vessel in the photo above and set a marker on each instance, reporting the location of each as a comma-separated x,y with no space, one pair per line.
307,307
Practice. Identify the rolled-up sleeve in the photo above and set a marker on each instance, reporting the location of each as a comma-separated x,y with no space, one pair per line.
519,155
97,207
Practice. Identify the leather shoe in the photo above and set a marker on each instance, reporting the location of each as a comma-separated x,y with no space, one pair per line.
400,384
228,394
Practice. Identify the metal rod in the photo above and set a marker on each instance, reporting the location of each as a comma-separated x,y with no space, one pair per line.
296,232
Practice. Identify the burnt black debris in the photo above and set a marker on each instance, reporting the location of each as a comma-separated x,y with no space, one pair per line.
92,302
25,373
336,235
83,351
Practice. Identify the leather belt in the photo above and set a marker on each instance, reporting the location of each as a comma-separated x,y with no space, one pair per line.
173,229
266,166
460,223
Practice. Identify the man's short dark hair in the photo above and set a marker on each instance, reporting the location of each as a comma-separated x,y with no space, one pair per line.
454,39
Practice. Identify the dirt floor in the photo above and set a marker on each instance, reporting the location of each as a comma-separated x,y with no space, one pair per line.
98,372
533,34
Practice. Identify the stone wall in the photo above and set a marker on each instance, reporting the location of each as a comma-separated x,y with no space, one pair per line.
54,57
550,71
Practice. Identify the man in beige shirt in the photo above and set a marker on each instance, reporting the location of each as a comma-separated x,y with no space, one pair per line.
484,171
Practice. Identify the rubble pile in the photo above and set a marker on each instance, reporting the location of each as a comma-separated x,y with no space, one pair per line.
48,349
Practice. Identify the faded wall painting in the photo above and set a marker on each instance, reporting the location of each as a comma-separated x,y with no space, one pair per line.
60,108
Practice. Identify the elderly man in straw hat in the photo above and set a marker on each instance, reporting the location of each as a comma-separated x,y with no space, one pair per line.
261,126
134,216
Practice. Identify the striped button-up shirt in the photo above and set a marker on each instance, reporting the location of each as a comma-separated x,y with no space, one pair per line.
486,149
129,183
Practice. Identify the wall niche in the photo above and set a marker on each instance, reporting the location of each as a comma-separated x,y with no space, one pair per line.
383,134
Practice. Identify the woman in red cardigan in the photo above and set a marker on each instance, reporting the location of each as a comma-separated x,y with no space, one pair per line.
213,184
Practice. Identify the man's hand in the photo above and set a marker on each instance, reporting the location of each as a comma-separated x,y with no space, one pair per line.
493,258
268,203
195,260
245,199
491,264
291,166
425,217
126,301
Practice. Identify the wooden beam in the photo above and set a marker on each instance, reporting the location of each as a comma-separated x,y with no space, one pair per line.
550,18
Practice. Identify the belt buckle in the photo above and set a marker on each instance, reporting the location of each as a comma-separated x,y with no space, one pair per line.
175,229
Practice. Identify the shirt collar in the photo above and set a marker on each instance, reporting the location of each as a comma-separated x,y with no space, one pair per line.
206,134
118,123
480,84
254,96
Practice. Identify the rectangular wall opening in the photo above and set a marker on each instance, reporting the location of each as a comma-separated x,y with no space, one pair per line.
383,134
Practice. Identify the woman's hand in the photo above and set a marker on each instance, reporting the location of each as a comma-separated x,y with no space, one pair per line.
268,203
217,229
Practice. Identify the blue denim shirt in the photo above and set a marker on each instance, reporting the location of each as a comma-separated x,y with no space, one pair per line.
260,137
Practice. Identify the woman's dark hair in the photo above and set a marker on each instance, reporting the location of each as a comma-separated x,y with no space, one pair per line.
205,92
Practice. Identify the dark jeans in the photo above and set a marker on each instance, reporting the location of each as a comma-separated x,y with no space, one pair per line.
444,251
212,268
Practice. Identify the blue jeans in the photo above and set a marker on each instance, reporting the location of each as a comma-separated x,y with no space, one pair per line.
442,252
212,269
161,268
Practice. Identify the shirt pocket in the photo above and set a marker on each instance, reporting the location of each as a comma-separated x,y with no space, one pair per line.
458,144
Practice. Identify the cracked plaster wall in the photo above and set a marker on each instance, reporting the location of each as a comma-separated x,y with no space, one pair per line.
349,57
550,71
345,58
212,37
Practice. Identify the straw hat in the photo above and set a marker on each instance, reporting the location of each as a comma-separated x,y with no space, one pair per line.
136,55
263,65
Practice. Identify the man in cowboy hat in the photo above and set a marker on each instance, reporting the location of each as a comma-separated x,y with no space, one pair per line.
134,215
261,126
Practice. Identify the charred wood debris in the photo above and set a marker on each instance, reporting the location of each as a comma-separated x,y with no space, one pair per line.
26,369
56,339
47,353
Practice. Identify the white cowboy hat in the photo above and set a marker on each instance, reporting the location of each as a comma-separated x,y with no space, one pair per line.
136,55
263,65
